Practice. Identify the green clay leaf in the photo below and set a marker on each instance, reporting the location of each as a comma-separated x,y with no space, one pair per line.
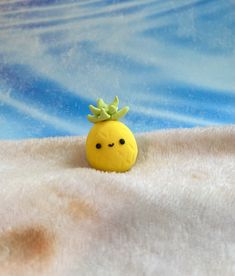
101,104
103,115
115,101
112,109
92,119
120,113
96,111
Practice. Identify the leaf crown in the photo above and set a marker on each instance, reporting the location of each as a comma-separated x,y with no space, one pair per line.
106,112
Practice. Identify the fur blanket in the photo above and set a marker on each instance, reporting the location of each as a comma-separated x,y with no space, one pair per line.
172,214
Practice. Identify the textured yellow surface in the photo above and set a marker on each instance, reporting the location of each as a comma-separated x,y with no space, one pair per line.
112,155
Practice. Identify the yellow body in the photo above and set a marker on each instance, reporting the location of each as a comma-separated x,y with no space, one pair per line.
111,155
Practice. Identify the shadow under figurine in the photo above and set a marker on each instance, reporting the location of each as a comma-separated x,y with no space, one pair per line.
110,145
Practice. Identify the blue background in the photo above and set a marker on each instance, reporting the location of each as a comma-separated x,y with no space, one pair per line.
172,62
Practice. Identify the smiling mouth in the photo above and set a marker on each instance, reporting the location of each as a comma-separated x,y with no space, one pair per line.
111,145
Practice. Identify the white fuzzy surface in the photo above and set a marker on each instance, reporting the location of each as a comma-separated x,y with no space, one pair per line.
172,214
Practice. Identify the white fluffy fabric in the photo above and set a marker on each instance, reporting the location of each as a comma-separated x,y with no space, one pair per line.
172,214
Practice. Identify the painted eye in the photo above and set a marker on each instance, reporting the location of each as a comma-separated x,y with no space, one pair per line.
98,146
122,141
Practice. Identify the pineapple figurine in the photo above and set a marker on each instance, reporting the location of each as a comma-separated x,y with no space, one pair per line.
110,145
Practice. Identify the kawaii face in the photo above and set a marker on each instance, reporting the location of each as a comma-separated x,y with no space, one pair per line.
111,146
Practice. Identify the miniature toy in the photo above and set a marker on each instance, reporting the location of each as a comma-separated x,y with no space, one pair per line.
110,144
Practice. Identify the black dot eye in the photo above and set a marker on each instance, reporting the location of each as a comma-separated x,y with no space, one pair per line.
98,146
122,141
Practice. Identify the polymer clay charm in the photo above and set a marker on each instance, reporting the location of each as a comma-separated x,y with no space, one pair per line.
110,144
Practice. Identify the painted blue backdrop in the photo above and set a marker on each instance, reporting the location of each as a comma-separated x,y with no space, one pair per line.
172,62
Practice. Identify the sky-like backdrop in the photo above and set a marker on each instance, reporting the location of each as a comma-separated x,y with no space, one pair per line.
172,62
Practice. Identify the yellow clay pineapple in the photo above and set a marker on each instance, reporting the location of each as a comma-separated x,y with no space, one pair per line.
110,145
